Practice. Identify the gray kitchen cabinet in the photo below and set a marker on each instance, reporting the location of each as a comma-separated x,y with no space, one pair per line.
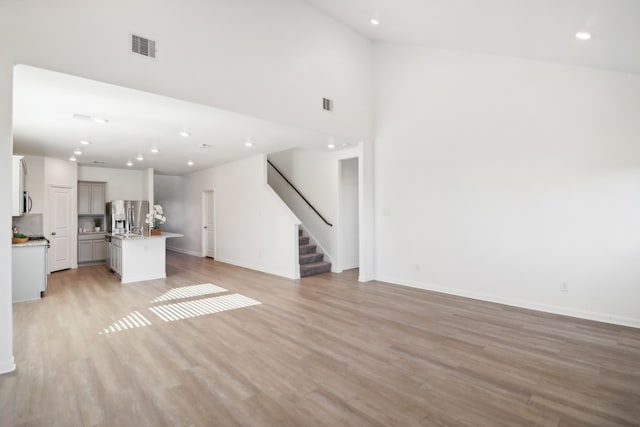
91,248
99,250
85,251
91,198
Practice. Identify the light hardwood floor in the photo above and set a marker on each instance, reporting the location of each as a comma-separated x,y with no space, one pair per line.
322,351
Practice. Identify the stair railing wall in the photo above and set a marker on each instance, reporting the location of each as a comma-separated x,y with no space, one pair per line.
299,193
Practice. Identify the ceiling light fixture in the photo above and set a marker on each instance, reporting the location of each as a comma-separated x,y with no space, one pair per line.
100,120
77,152
129,163
139,158
190,163
155,150
374,21
248,143
85,142
72,158
331,146
582,35
184,133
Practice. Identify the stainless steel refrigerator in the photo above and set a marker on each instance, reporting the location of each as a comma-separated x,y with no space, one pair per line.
127,216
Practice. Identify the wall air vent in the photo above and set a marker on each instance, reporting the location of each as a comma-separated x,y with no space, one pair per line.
143,46
97,162
205,146
327,104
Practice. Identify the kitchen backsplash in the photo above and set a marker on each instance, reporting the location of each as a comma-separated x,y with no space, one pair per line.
30,224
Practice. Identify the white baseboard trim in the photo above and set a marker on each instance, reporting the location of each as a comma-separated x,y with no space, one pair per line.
253,267
143,278
565,311
8,366
350,267
184,251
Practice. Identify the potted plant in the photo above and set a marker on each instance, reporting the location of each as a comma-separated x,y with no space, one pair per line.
97,223
155,218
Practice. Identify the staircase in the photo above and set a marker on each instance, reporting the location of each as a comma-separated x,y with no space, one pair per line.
311,262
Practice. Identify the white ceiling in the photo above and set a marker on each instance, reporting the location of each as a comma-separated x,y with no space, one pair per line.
535,29
45,103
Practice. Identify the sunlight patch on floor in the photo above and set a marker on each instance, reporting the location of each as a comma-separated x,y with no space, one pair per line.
188,292
130,321
201,307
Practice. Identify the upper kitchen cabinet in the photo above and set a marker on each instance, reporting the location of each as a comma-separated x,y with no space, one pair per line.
18,178
91,198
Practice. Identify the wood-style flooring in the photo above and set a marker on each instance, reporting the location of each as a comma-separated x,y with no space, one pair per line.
321,351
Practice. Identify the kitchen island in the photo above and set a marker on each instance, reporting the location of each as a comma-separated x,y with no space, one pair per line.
135,258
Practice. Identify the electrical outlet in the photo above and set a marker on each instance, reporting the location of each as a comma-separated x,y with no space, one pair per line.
564,287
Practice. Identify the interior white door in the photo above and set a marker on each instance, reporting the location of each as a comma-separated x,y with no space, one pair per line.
208,227
60,224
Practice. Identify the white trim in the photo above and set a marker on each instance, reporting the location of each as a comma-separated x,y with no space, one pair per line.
184,251
143,278
554,309
9,366
350,267
256,268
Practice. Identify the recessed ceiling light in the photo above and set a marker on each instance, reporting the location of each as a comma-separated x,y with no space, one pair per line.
331,146
85,142
155,150
100,120
190,163
184,133
583,35
374,21
129,163
72,158
248,143
77,152
139,158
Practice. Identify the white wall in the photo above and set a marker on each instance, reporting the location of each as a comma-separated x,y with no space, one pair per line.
6,147
348,218
501,178
122,184
169,193
254,229
273,59
148,187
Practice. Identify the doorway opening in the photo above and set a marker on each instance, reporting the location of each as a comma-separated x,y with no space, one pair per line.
349,214
208,224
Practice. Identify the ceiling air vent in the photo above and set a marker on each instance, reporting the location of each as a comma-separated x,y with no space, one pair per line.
143,46
327,104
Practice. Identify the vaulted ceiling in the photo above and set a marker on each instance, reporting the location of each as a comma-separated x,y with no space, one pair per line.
534,29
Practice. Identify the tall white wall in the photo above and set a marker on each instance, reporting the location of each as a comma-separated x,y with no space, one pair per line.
273,59
502,178
122,184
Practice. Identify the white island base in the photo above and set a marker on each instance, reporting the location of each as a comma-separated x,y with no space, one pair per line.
139,258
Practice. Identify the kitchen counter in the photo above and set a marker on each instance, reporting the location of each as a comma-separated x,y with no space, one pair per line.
163,235
138,258
31,243
29,263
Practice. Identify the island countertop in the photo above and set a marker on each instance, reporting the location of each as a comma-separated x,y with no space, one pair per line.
163,235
